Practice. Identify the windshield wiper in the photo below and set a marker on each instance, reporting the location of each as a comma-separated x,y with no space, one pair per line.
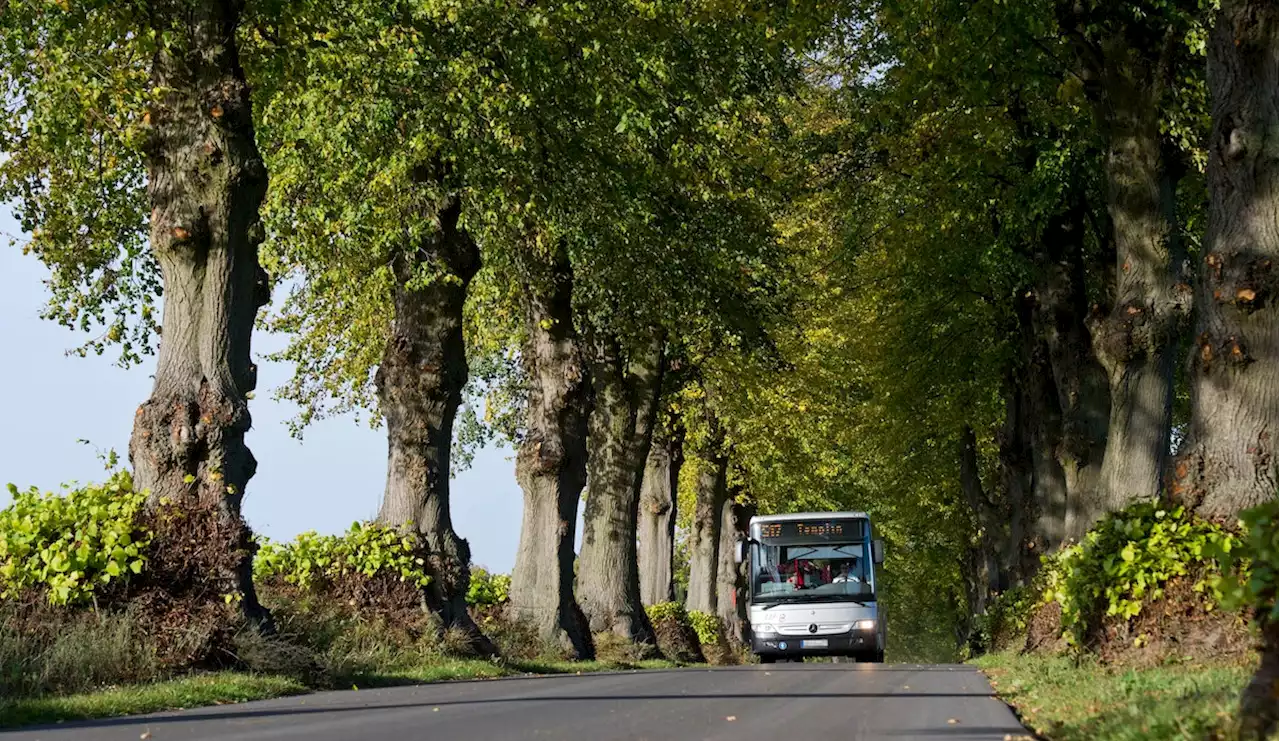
817,598
786,601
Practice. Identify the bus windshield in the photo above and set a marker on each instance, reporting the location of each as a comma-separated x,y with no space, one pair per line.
817,572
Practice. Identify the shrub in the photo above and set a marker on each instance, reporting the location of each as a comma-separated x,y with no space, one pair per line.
70,545
1249,565
1006,619
1126,560
365,550
341,643
486,589
676,637
708,627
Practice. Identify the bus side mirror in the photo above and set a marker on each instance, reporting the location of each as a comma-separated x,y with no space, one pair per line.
877,551
740,551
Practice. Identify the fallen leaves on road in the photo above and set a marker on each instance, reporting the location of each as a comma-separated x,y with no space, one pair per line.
731,718
952,721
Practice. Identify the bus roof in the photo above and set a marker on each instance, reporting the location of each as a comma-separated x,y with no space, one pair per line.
793,516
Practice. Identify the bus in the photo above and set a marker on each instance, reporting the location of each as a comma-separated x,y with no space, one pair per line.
811,586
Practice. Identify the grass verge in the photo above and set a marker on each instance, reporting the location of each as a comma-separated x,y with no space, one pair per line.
1063,700
222,688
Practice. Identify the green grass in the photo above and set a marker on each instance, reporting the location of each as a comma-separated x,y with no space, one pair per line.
193,691
1064,701
231,687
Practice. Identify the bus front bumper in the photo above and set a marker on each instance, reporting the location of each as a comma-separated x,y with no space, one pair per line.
846,644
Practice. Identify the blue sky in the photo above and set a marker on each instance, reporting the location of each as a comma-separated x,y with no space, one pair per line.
323,483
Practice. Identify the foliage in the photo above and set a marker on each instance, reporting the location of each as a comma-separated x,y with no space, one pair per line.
487,589
73,168
72,544
364,549
1006,617
1125,561
708,627
1067,699
1248,570
668,611
642,154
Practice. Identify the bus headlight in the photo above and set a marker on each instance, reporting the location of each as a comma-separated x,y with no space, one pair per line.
865,625
764,628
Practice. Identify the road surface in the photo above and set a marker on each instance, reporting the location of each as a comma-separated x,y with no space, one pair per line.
781,702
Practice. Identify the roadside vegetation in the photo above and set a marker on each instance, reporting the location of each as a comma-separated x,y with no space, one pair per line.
1147,629
1002,275
347,612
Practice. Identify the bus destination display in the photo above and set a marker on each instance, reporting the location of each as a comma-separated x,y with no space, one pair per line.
820,530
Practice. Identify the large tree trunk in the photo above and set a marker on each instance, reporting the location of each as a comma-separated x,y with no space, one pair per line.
1228,461
1040,425
657,528
551,464
625,391
420,382
206,181
1136,341
1083,394
1017,484
984,577
704,532
1038,508
731,581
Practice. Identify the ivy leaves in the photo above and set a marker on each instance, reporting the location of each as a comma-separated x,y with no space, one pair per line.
71,544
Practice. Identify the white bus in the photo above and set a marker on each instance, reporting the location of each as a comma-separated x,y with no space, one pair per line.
812,586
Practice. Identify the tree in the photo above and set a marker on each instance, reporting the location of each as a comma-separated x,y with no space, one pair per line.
626,387
1227,463
1128,64
731,579
395,132
551,464
659,509
169,111
420,382
711,462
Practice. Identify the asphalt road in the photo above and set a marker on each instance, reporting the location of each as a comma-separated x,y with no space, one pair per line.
782,702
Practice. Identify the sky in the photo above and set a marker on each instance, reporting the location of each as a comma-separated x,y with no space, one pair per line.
333,477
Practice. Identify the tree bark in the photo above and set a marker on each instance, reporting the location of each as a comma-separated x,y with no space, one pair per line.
984,577
1017,483
704,532
1041,424
1228,460
206,181
657,529
1136,339
420,382
625,391
731,582
1083,394
551,464
1038,509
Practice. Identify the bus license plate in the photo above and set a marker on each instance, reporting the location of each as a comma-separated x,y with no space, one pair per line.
820,643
